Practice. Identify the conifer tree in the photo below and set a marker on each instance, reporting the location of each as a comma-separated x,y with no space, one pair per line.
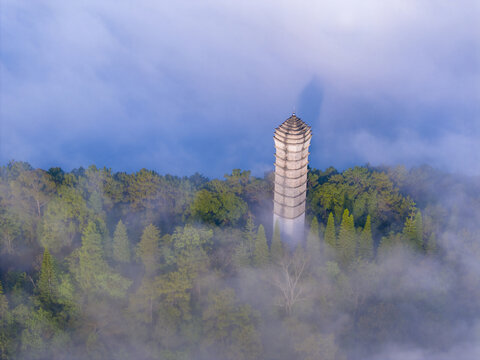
313,239
346,243
330,232
260,256
250,234
3,303
48,281
419,230
365,242
413,229
91,258
276,248
241,256
148,249
7,331
121,245
92,272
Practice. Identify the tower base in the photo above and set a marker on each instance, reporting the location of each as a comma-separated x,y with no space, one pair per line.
291,230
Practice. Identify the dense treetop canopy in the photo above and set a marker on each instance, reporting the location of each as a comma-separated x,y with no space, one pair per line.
115,265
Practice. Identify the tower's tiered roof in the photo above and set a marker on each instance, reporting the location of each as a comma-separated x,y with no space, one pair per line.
293,131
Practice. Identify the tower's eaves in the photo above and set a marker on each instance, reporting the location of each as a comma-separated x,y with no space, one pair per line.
293,126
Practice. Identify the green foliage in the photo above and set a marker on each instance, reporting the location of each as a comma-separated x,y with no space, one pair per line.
413,229
10,230
317,346
218,205
229,329
313,239
3,303
34,187
389,243
365,242
92,272
346,243
261,253
330,236
65,216
7,329
180,308
276,247
243,255
148,249
174,290
363,192
189,249
419,230
48,282
121,245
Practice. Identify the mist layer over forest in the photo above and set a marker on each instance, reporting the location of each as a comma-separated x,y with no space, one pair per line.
103,265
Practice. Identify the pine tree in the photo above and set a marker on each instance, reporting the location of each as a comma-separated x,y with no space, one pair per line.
241,257
249,234
48,281
121,245
413,229
148,249
276,248
92,272
346,243
91,257
7,330
419,231
313,239
3,303
365,242
330,232
260,256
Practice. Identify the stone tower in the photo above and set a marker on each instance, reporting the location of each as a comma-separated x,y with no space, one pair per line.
292,139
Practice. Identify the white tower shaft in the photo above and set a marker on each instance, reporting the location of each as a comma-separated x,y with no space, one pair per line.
292,140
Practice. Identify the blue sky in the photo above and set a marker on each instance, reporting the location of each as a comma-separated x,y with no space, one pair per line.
186,86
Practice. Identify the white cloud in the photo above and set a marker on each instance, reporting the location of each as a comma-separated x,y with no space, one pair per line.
121,71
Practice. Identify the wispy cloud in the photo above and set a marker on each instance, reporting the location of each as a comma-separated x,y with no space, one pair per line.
188,86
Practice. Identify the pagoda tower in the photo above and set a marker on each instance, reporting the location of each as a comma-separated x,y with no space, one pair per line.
292,140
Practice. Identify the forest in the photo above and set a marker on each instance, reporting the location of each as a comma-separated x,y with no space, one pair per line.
96,264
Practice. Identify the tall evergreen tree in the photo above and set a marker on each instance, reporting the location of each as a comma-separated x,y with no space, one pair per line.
48,281
3,303
413,229
346,243
121,245
260,256
365,242
249,234
330,232
419,231
243,255
148,249
276,248
92,272
313,239
91,258
8,330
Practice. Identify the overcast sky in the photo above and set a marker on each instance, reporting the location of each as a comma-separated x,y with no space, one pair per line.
186,86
